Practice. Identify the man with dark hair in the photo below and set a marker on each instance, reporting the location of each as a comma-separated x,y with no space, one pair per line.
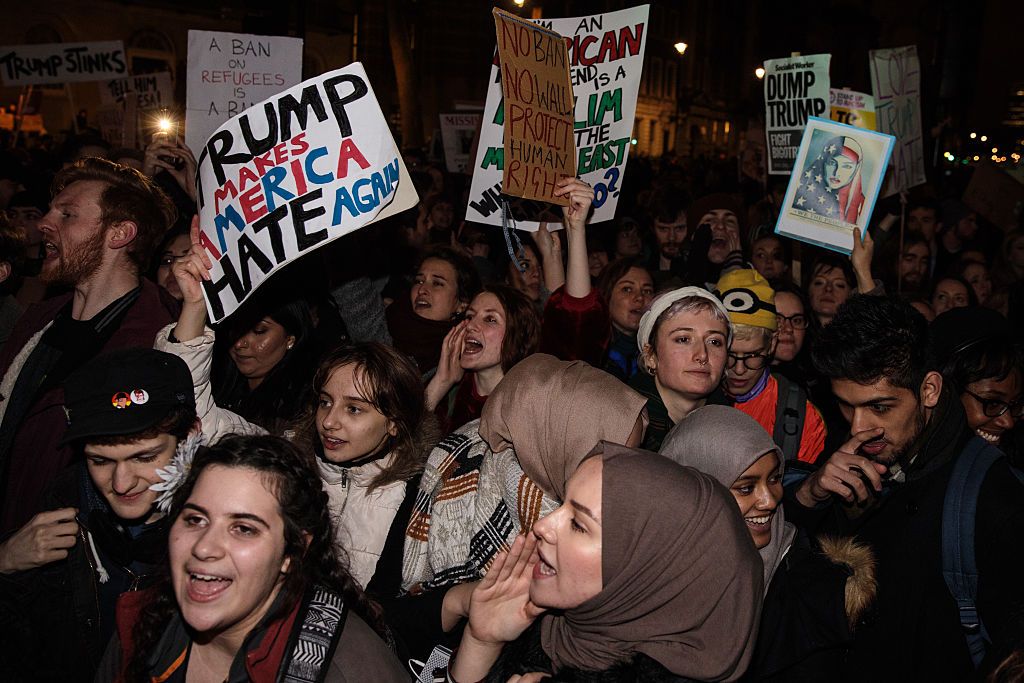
99,234
887,486
668,226
104,530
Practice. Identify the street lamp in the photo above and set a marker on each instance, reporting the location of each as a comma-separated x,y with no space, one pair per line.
759,72
519,3
680,48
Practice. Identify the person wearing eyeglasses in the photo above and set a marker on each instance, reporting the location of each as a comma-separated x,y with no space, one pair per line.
974,350
778,404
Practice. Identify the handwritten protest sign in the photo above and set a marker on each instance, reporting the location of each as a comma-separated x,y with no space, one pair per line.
853,108
996,195
457,133
606,56
834,185
291,174
151,91
795,88
228,72
62,63
539,106
896,82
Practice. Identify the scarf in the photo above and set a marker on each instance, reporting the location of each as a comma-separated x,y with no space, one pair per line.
681,580
492,479
310,633
723,442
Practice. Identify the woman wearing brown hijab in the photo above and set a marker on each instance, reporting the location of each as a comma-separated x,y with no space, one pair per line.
637,589
493,478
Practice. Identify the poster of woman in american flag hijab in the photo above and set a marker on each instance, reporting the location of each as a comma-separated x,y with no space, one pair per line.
836,179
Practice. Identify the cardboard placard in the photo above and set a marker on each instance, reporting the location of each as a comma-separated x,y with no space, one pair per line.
62,63
835,184
291,174
539,105
795,88
853,108
228,72
606,57
996,195
896,82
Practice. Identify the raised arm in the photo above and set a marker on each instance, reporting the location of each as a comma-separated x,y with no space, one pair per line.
574,216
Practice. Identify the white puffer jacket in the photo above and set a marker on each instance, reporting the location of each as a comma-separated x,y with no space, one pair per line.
362,520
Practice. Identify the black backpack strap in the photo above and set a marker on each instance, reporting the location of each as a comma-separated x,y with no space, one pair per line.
959,518
790,411
315,637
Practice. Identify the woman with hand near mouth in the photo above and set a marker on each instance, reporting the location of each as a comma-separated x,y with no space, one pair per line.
811,585
683,340
492,478
631,593
984,364
446,281
257,590
501,328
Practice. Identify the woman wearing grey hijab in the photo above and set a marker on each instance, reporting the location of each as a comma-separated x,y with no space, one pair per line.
815,589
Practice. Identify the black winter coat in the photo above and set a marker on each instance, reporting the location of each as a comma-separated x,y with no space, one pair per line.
913,632
56,620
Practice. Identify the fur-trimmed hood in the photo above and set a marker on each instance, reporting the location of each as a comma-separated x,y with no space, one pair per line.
862,583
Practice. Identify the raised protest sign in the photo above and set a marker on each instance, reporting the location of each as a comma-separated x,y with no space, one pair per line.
538,147
457,133
228,72
151,91
291,174
996,195
795,88
853,108
834,184
606,56
62,63
896,82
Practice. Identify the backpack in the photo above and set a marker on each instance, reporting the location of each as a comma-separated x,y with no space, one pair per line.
959,517
790,411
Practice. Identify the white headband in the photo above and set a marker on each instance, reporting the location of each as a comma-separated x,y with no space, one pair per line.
662,304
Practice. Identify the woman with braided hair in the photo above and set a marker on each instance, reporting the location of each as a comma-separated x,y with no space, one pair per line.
256,587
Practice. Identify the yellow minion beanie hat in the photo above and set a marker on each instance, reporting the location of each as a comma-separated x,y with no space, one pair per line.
748,298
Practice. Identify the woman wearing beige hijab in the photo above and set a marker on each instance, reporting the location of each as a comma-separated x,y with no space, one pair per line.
492,479
630,591
815,589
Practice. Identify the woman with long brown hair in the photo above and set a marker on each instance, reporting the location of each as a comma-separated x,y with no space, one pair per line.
256,588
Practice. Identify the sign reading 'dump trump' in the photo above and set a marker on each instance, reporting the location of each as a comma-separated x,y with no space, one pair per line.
290,174
795,88
62,63
834,186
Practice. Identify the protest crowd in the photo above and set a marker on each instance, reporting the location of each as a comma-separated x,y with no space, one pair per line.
675,445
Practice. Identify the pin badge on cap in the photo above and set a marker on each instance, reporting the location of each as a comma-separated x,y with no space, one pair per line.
120,400
139,396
